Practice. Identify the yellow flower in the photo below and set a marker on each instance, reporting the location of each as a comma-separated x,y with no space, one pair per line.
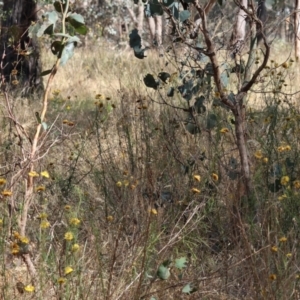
119,184
296,184
224,130
2,181
40,188
16,235
258,154
272,277
56,92
67,207
283,239
288,255
153,211
68,270
110,218
265,160
45,224
284,180
70,123
15,249
24,239
197,178
29,288
126,183
274,249
6,193
287,148
45,174
33,174
75,248
284,196
284,148
74,221
69,236
195,191
1,222
214,177
61,280
99,96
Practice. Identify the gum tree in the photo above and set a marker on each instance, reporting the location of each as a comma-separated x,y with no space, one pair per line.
20,59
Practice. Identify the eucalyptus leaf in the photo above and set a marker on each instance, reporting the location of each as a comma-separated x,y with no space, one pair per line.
170,92
211,121
67,53
45,126
150,81
163,272
184,15
188,289
180,263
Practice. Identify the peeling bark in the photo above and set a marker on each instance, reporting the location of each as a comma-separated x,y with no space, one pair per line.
297,28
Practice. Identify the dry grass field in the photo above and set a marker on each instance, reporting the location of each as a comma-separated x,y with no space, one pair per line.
129,205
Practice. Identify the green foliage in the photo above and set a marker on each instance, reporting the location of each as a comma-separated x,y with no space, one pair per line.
64,47
180,263
135,43
188,289
163,272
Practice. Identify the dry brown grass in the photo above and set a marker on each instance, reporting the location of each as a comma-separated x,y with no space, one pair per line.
115,165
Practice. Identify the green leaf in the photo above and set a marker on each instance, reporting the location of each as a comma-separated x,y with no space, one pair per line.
74,17
170,92
77,21
150,81
59,6
163,272
135,40
211,121
139,52
188,289
48,25
225,78
45,126
180,263
67,53
44,73
191,126
164,76
184,15
199,107
56,46
38,118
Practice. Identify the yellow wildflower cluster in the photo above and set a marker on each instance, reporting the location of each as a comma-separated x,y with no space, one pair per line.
69,236
74,221
284,148
284,180
20,244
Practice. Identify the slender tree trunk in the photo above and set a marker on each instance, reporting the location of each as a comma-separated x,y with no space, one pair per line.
297,29
16,46
237,39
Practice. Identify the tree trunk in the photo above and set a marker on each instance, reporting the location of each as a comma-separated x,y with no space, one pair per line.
297,29
19,52
237,40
